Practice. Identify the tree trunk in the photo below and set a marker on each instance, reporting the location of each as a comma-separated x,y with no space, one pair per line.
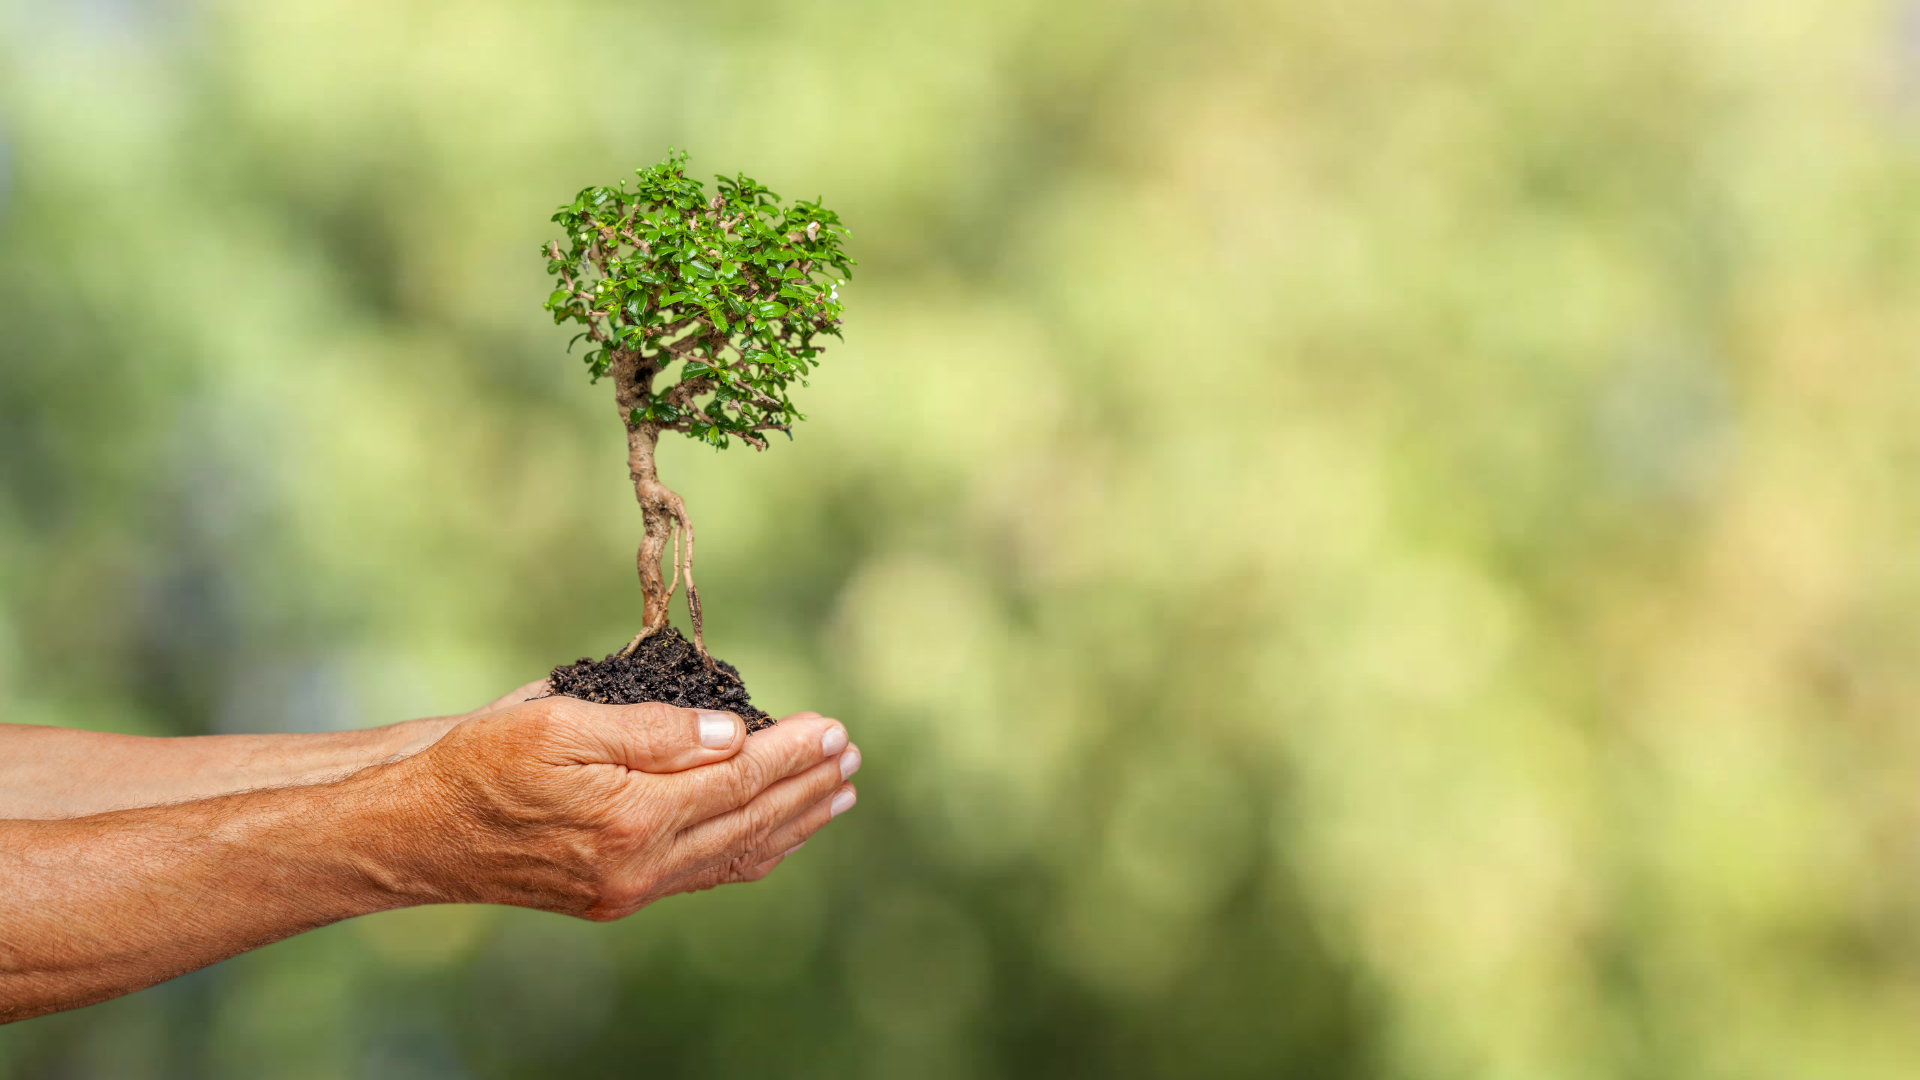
658,513
662,511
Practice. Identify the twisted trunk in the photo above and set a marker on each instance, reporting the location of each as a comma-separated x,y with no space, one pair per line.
657,508
664,513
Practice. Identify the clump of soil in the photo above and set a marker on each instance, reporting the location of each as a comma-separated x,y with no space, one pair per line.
666,668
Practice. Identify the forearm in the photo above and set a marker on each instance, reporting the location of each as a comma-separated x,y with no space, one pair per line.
99,906
48,772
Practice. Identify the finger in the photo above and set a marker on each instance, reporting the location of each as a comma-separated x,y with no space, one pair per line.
785,749
722,875
800,828
739,835
787,839
651,737
536,688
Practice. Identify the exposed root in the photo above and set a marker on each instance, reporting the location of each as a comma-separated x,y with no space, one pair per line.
675,582
652,627
679,525
645,632
664,513
693,594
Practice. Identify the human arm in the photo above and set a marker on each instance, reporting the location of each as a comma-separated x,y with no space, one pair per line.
51,772
589,810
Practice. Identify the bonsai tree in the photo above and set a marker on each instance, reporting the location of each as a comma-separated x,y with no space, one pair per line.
734,288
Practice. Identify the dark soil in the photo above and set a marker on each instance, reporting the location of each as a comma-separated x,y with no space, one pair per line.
665,668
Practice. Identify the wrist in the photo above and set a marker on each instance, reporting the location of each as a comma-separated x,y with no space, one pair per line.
393,837
462,837
407,738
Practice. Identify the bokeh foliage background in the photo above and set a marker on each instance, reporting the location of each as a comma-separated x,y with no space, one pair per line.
1362,539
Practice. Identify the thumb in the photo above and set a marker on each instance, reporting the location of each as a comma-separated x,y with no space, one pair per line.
659,738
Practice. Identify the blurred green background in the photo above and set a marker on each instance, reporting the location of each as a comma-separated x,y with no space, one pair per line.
1359,540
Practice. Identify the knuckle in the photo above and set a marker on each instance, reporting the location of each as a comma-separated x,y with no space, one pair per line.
766,769
748,829
647,743
559,731
551,725
785,762
743,783
627,832
656,718
741,867
558,709
619,898
761,821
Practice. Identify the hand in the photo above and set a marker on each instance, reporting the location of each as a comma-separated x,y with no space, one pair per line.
599,810
409,737
592,810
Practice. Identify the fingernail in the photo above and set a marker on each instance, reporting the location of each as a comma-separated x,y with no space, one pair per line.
716,730
841,803
795,847
834,741
849,762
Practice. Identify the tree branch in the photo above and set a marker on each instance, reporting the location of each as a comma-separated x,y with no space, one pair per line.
684,346
757,396
685,427
682,394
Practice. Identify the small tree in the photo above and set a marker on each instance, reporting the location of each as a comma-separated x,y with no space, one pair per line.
735,288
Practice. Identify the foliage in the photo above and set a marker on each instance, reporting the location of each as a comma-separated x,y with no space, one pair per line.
1527,691
734,287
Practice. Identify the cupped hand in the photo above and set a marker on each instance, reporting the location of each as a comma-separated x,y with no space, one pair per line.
598,810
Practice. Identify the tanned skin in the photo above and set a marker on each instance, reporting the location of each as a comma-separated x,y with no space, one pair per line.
588,810
49,772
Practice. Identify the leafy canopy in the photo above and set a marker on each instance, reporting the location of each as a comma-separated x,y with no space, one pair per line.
734,287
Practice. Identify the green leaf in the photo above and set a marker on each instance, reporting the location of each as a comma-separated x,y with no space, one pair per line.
690,268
